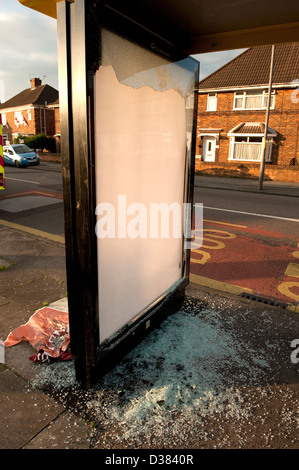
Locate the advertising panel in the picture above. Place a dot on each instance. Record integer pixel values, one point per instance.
(143, 131)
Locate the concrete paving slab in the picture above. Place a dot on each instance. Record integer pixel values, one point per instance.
(66, 432)
(12, 316)
(61, 304)
(17, 359)
(36, 293)
(24, 412)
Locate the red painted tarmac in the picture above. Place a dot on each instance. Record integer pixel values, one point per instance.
(251, 258)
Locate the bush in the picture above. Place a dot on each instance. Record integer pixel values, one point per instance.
(39, 141)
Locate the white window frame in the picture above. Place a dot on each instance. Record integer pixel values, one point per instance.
(242, 95)
(5, 138)
(4, 121)
(212, 102)
(249, 140)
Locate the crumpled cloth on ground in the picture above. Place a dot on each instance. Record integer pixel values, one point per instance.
(42, 356)
(47, 330)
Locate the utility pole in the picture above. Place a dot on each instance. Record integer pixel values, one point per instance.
(45, 125)
(263, 158)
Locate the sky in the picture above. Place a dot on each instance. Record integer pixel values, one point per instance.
(29, 49)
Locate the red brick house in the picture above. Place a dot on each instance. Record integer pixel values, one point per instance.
(55, 107)
(232, 105)
(30, 112)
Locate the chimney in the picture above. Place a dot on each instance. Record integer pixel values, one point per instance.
(35, 82)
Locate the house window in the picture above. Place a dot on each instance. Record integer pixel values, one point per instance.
(249, 148)
(212, 102)
(253, 99)
(190, 101)
(3, 119)
(19, 119)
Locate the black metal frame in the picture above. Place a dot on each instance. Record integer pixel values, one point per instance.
(78, 55)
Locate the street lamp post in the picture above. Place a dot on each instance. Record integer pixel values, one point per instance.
(262, 165)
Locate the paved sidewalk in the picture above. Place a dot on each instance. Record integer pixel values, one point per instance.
(32, 275)
(248, 185)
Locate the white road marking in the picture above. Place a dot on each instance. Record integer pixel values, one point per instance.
(23, 181)
(252, 213)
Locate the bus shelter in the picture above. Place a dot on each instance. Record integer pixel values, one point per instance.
(128, 99)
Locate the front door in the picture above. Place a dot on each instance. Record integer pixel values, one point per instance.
(209, 147)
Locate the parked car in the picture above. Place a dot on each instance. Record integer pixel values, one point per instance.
(19, 155)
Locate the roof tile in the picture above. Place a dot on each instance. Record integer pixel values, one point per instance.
(252, 68)
(37, 96)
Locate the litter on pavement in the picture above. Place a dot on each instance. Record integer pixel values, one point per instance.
(47, 331)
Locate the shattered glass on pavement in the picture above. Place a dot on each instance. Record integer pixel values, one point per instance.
(216, 374)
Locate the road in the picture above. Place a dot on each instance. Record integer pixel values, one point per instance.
(251, 240)
(250, 245)
(33, 200)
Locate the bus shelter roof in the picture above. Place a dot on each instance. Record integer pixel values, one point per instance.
(199, 26)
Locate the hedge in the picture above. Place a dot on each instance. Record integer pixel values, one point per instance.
(39, 141)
